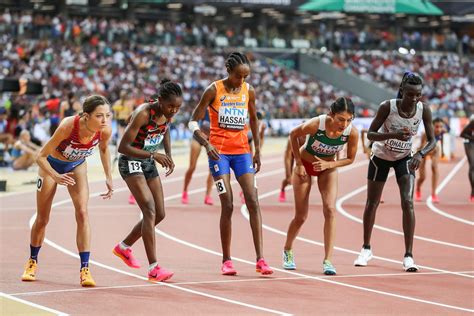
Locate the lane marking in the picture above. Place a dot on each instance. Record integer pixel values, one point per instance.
(363, 188)
(352, 276)
(220, 298)
(118, 178)
(449, 177)
(192, 245)
(38, 306)
(279, 232)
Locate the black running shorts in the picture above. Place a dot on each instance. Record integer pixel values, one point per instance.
(129, 166)
(379, 168)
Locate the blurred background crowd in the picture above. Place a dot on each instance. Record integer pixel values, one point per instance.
(124, 57)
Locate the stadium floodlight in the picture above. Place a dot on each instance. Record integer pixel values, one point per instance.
(206, 10)
(403, 50)
(174, 6)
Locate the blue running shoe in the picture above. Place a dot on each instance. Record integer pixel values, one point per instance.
(288, 260)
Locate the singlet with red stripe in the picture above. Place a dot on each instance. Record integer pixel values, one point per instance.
(72, 149)
(150, 135)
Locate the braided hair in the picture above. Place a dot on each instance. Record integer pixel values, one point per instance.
(166, 90)
(410, 78)
(235, 59)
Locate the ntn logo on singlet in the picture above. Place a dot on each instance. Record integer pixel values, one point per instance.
(326, 149)
(153, 139)
(232, 117)
(73, 154)
(152, 142)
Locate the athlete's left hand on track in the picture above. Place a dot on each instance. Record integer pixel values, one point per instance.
(110, 190)
(256, 162)
(415, 161)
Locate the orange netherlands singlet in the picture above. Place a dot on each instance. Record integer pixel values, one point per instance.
(228, 115)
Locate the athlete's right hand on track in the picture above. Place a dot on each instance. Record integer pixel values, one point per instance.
(404, 134)
(171, 169)
(164, 161)
(212, 152)
(65, 179)
(300, 171)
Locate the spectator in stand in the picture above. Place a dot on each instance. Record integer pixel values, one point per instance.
(24, 151)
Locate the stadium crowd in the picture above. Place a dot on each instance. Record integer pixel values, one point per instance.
(124, 61)
(448, 85)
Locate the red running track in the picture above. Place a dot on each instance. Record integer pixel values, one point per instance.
(188, 243)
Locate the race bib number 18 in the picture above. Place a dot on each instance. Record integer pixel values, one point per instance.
(134, 166)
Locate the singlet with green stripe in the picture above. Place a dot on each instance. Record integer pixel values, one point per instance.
(320, 145)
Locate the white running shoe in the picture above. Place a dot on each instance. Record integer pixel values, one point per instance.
(364, 257)
(409, 265)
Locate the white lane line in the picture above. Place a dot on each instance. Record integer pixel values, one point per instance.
(310, 241)
(441, 186)
(220, 298)
(274, 230)
(228, 281)
(351, 276)
(192, 245)
(19, 300)
(118, 178)
(363, 188)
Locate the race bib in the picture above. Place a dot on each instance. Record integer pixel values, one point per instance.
(39, 183)
(232, 117)
(220, 186)
(134, 166)
(398, 146)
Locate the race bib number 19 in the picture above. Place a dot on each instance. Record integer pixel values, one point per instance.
(134, 166)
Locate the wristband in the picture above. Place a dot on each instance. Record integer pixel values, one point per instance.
(193, 126)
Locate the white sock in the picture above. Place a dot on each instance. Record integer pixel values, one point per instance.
(152, 266)
(123, 246)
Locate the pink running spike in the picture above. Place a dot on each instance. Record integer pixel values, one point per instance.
(228, 268)
(417, 196)
(263, 267)
(126, 256)
(131, 200)
(184, 198)
(282, 197)
(208, 200)
(159, 274)
(434, 198)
